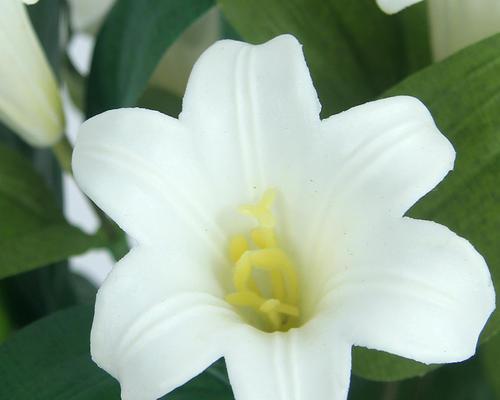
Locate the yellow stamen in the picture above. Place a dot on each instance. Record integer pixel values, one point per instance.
(237, 247)
(280, 310)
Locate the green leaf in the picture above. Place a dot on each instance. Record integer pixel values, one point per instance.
(5, 321)
(50, 359)
(34, 294)
(155, 98)
(490, 356)
(385, 367)
(354, 50)
(462, 95)
(464, 381)
(33, 232)
(130, 44)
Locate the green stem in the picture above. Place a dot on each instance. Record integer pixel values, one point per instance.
(63, 151)
(115, 238)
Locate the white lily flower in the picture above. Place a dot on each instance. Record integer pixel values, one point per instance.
(30, 103)
(321, 257)
(394, 6)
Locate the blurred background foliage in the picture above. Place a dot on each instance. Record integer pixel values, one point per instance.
(142, 56)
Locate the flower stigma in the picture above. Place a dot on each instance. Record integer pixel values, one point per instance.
(264, 276)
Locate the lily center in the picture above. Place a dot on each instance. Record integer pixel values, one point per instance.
(264, 276)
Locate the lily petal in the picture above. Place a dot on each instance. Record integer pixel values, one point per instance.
(368, 164)
(142, 169)
(415, 289)
(394, 6)
(250, 105)
(159, 321)
(302, 364)
(380, 158)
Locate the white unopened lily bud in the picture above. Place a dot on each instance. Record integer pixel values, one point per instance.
(456, 24)
(394, 6)
(30, 103)
(87, 15)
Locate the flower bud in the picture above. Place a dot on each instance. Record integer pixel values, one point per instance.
(456, 24)
(30, 103)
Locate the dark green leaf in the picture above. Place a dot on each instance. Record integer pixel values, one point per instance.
(33, 232)
(161, 100)
(462, 93)
(130, 44)
(5, 320)
(464, 381)
(490, 357)
(34, 294)
(354, 51)
(50, 360)
(381, 366)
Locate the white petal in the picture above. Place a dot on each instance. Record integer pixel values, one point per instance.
(364, 166)
(29, 99)
(302, 364)
(159, 321)
(394, 6)
(412, 288)
(383, 156)
(252, 107)
(141, 167)
(368, 164)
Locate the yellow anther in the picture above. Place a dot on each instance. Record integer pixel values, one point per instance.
(275, 259)
(281, 310)
(237, 247)
(242, 277)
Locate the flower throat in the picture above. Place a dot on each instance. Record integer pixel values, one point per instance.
(278, 305)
